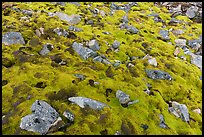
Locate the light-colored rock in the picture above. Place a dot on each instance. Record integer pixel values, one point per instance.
(196, 60)
(123, 97)
(94, 45)
(180, 42)
(116, 44)
(70, 116)
(191, 12)
(152, 61)
(198, 111)
(177, 51)
(46, 49)
(10, 38)
(72, 19)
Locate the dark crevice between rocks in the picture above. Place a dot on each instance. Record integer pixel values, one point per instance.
(4, 82)
(41, 85)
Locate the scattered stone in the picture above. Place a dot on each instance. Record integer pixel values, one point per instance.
(46, 49)
(123, 97)
(90, 22)
(191, 12)
(41, 119)
(158, 74)
(147, 91)
(195, 44)
(37, 32)
(125, 19)
(105, 61)
(28, 12)
(196, 60)
(183, 57)
(98, 58)
(74, 28)
(180, 42)
(84, 52)
(117, 63)
(102, 13)
(80, 76)
(60, 32)
(198, 111)
(174, 21)
(69, 115)
(133, 102)
(132, 29)
(152, 61)
(94, 45)
(83, 101)
(41, 30)
(10, 38)
(178, 32)
(59, 3)
(75, 3)
(56, 125)
(117, 133)
(116, 44)
(72, 20)
(107, 33)
(179, 110)
(177, 51)
(123, 25)
(164, 34)
(162, 123)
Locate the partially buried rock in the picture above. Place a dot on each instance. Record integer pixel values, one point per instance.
(72, 19)
(196, 60)
(132, 29)
(158, 74)
(69, 115)
(74, 28)
(84, 52)
(152, 61)
(60, 32)
(179, 110)
(162, 123)
(80, 76)
(123, 97)
(87, 102)
(10, 38)
(164, 34)
(94, 45)
(46, 49)
(116, 44)
(42, 118)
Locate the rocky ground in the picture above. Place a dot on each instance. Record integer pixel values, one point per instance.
(102, 68)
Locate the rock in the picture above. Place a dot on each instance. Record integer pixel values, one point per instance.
(183, 57)
(37, 32)
(95, 11)
(179, 110)
(107, 33)
(132, 29)
(102, 13)
(195, 44)
(116, 44)
(46, 49)
(117, 133)
(60, 32)
(117, 63)
(174, 20)
(72, 20)
(98, 58)
(132, 102)
(158, 74)
(152, 61)
(75, 3)
(191, 12)
(10, 38)
(177, 51)
(147, 91)
(178, 32)
(196, 60)
(83, 101)
(125, 19)
(162, 123)
(180, 42)
(198, 111)
(123, 97)
(56, 125)
(80, 76)
(94, 45)
(123, 25)
(164, 34)
(84, 52)
(41, 119)
(69, 115)
(74, 28)
(59, 3)
(90, 22)
(105, 61)
(28, 12)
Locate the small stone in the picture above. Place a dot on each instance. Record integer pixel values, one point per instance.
(102, 13)
(94, 45)
(10, 38)
(132, 29)
(132, 102)
(162, 123)
(117, 133)
(90, 22)
(60, 32)
(80, 76)
(191, 12)
(183, 57)
(158, 74)
(72, 19)
(98, 58)
(105, 61)
(152, 61)
(37, 32)
(116, 44)
(28, 12)
(177, 51)
(198, 111)
(164, 34)
(123, 97)
(178, 32)
(75, 3)
(74, 28)
(125, 19)
(46, 49)
(123, 26)
(41, 30)
(196, 60)
(59, 3)
(180, 42)
(195, 44)
(107, 33)
(69, 115)
(117, 63)
(147, 91)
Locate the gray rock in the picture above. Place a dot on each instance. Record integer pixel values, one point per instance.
(117, 63)
(195, 44)
(74, 28)
(61, 32)
(116, 44)
(123, 26)
(69, 115)
(123, 97)
(46, 49)
(102, 13)
(164, 34)
(196, 60)
(107, 33)
(178, 32)
(162, 123)
(80, 76)
(75, 3)
(83, 101)
(132, 102)
(125, 19)
(98, 59)
(158, 74)
(179, 110)
(94, 45)
(27, 12)
(180, 42)
(174, 20)
(132, 29)
(41, 119)
(72, 20)
(10, 38)
(90, 22)
(84, 52)
(59, 3)
(191, 12)
(114, 6)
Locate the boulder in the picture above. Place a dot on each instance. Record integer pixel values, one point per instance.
(87, 102)
(10, 38)
(158, 74)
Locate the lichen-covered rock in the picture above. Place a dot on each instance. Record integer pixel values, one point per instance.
(87, 102)
(46, 49)
(74, 28)
(72, 19)
(41, 119)
(164, 34)
(84, 52)
(158, 74)
(123, 97)
(94, 45)
(70, 116)
(179, 110)
(10, 38)
(162, 123)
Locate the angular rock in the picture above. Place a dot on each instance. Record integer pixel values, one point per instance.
(83, 101)
(41, 119)
(162, 123)
(72, 20)
(180, 42)
(46, 49)
(178, 32)
(123, 97)
(84, 52)
(94, 45)
(10, 38)
(69, 115)
(177, 51)
(74, 28)
(125, 19)
(98, 59)
(117, 63)
(80, 76)
(158, 74)
(179, 110)
(61, 32)
(152, 61)
(198, 111)
(191, 12)
(196, 60)
(164, 34)
(132, 29)
(116, 44)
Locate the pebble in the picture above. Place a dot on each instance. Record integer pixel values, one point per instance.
(198, 111)
(152, 61)
(116, 44)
